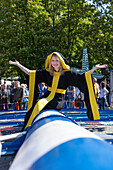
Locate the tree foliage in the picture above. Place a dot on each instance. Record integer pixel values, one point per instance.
(32, 29)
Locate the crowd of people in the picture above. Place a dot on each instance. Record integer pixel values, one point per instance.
(102, 93)
(15, 96)
(74, 98)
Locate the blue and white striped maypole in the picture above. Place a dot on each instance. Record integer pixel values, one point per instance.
(55, 142)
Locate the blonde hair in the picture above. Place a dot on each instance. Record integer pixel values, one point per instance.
(51, 69)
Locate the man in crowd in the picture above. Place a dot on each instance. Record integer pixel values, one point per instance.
(18, 95)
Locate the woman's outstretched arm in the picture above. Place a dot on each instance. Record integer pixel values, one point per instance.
(97, 67)
(24, 69)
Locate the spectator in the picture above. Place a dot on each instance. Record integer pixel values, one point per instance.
(78, 98)
(71, 96)
(43, 89)
(11, 97)
(103, 93)
(96, 90)
(0, 95)
(25, 99)
(108, 95)
(66, 100)
(11, 94)
(5, 97)
(18, 95)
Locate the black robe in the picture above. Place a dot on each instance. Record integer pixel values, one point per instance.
(68, 78)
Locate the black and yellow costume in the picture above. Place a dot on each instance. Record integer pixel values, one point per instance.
(57, 84)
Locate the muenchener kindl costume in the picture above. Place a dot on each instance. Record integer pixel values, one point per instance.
(57, 84)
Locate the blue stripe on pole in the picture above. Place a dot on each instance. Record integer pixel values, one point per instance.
(82, 153)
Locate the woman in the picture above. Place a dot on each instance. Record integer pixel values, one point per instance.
(58, 77)
(103, 94)
(5, 97)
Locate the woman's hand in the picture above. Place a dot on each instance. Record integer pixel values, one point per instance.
(97, 67)
(24, 69)
(14, 62)
(100, 66)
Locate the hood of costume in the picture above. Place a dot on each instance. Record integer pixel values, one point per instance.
(61, 58)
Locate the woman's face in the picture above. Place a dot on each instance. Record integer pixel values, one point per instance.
(55, 62)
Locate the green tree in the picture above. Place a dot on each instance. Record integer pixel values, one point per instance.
(23, 34)
(101, 39)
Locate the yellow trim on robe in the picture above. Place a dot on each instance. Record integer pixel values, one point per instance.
(92, 96)
(31, 88)
(61, 91)
(43, 102)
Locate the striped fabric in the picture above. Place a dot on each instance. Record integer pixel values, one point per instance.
(85, 63)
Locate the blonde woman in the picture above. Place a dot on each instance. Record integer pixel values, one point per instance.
(58, 76)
